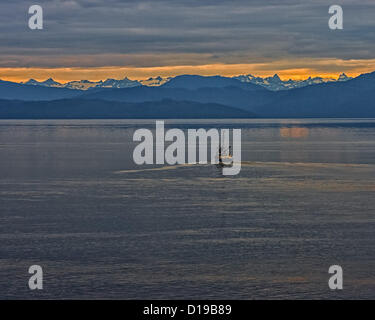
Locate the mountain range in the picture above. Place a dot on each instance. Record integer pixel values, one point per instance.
(275, 83)
(86, 84)
(272, 83)
(190, 96)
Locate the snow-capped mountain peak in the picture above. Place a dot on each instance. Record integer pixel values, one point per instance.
(50, 82)
(124, 83)
(276, 78)
(274, 83)
(153, 82)
(31, 82)
(343, 77)
(47, 83)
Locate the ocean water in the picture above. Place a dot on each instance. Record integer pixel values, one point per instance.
(73, 201)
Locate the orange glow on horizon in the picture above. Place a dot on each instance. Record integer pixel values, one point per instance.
(284, 69)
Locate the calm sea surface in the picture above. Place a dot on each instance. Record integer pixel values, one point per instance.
(73, 201)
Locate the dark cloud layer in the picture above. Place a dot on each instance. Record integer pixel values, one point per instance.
(177, 32)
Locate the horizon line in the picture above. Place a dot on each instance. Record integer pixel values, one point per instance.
(299, 70)
(335, 76)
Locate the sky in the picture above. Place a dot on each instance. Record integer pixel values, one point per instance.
(95, 40)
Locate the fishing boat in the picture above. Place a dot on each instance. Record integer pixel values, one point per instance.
(225, 156)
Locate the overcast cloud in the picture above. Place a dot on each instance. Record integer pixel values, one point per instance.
(93, 33)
